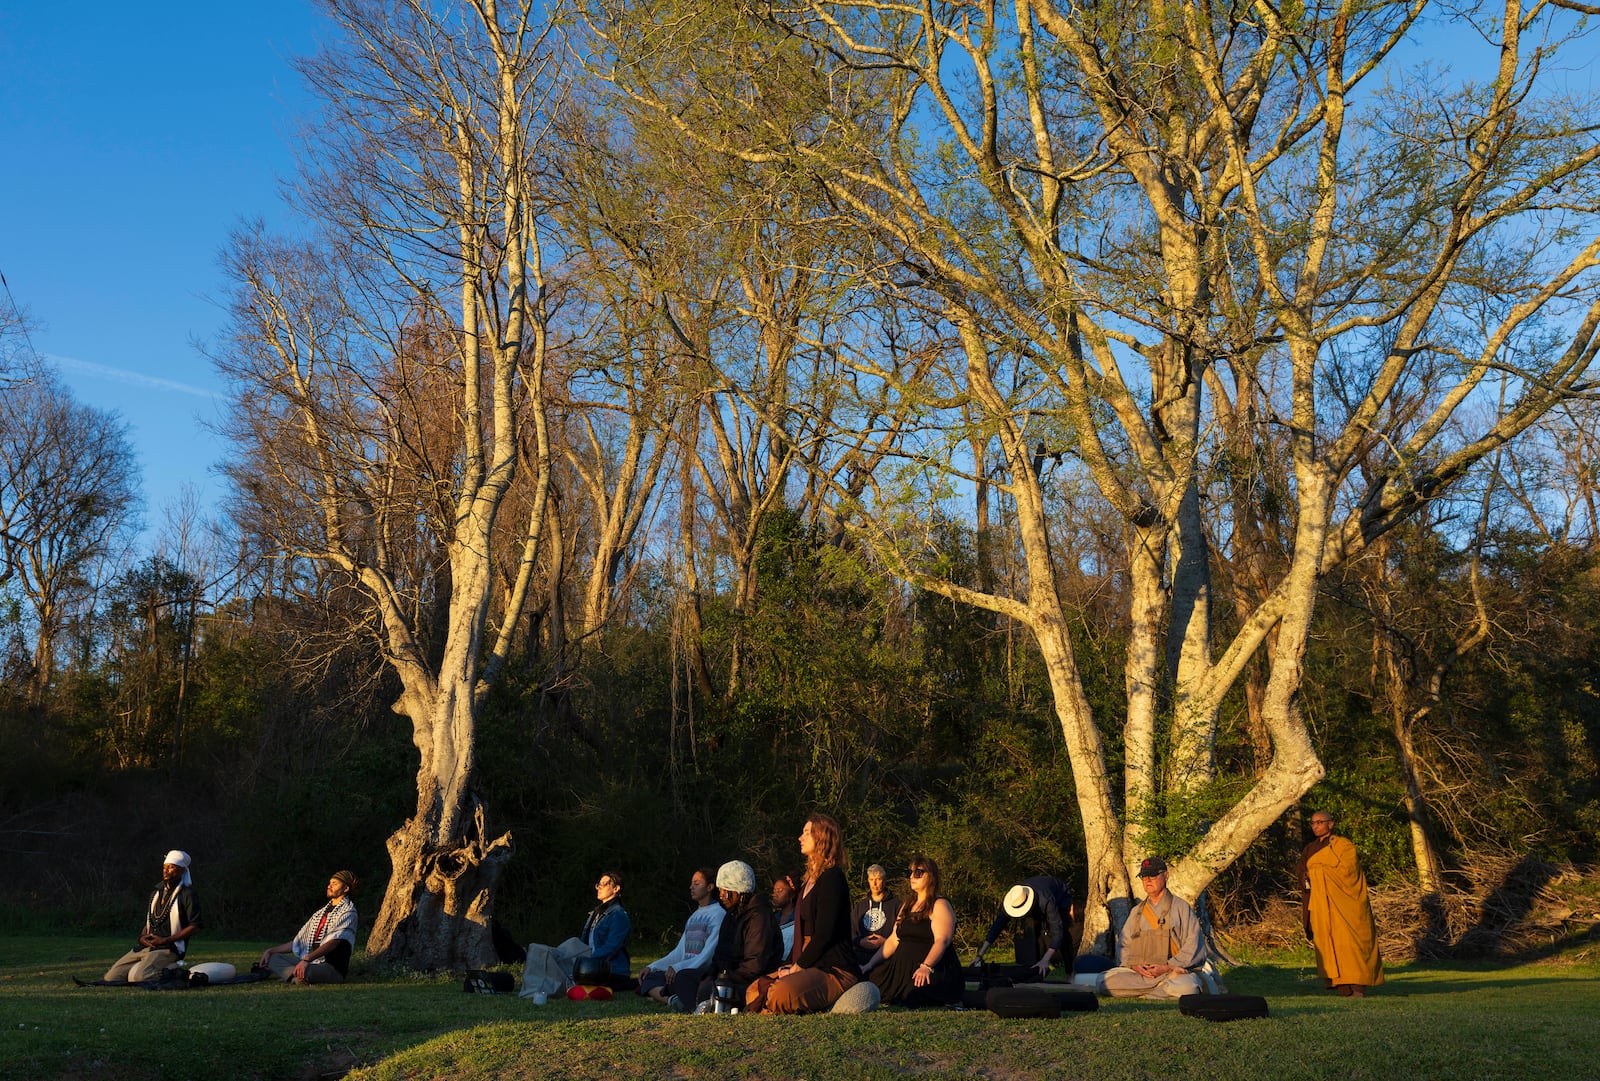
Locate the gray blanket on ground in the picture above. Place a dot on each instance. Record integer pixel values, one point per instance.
(549, 968)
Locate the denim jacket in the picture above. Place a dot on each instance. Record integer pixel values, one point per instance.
(606, 932)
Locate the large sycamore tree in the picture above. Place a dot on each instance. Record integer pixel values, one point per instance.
(1235, 267)
(390, 375)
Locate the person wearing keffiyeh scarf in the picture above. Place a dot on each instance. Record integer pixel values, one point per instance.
(172, 915)
(320, 953)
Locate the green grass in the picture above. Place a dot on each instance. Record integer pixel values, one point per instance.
(1466, 1021)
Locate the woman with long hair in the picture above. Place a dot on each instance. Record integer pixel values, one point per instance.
(917, 965)
(822, 965)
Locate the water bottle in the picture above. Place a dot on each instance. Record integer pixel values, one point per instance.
(723, 995)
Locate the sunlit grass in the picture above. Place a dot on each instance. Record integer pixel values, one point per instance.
(1435, 1021)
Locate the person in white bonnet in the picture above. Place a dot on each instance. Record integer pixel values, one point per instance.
(171, 917)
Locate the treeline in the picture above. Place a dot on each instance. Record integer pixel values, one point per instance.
(1040, 437)
(924, 725)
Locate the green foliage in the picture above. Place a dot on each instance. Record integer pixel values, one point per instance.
(1178, 823)
(922, 724)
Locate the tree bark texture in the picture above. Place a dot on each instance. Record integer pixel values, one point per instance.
(440, 896)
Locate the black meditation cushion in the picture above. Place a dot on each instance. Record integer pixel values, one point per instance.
(1021, 1002)
(1223, 1007)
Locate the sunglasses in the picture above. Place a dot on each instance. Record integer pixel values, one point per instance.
(916, 872)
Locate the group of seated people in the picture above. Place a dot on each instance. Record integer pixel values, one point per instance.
(801, 948)
(795, 952)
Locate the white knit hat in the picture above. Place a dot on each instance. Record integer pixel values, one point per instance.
(736, 875)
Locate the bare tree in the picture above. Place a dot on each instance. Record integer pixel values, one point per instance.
(626, 380)
(420, 315)
(742, 292)
(18, 365)
(69, 491)
(1554, 477)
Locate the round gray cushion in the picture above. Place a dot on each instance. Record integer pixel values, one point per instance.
(862, 998)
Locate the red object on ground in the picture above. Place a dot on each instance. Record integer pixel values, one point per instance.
(599, 994)
(577, 994)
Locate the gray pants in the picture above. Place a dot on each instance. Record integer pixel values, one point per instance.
(1126, 983)
(282, 966)
(140, 964)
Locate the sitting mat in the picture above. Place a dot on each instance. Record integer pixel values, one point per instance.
(1069, 997)
(862, 998)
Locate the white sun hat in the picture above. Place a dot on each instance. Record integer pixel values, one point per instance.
(1019, 899)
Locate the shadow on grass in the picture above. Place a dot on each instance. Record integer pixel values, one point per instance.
(1402, 981)
(1564, 944)
(1508, 905)
(1503, 917)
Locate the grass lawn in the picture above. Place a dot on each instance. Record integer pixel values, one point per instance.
(1466, 1021)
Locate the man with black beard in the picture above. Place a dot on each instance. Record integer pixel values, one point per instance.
(320, 953)
(171, 917)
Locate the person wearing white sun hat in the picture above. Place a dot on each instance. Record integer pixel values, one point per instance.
(749, 944)
(1045, 902)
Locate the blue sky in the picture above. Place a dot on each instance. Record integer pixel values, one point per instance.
(136, 137)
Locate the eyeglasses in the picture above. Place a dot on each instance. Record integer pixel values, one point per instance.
(916, 872)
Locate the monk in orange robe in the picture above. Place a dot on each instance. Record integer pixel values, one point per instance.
(1338, 913)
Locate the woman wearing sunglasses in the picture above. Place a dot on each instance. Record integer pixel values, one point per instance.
(917, 966)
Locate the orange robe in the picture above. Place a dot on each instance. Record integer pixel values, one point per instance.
(1340, 915)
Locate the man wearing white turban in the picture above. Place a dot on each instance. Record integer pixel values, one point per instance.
(172, 916)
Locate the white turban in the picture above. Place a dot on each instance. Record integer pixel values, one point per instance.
(178, 858)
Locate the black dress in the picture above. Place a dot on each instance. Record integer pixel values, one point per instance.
(895, 977)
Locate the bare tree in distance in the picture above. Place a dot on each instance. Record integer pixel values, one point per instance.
(17, 360)
(17, 365)
(69, 494)
(420, 310)
(625, 381)
(742, 290)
